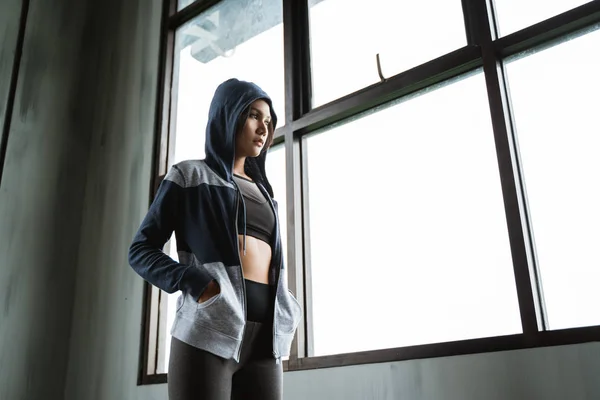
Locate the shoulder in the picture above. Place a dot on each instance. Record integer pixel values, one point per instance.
(192, 173)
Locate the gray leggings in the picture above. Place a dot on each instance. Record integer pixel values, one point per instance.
(196, 374)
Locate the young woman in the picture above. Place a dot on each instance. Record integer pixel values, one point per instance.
(235, 316)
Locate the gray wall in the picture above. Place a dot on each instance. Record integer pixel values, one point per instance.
(557, 373)
(41, 199)
(107, 315)
(74, 191)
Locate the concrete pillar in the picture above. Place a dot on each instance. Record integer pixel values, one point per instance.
(105, 345)
(41, 197)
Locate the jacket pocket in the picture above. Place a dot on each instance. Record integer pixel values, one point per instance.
(223, 312)
(287, 311)
(180, 302)
(208, 302)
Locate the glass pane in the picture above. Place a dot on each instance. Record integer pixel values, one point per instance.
(555, 99)
(171, 301)
(514, 15)
(234, 39)
(409, 242)
(181, 4)
(276, 173)
(404, 33)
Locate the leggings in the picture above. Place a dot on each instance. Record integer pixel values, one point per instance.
(196, 374)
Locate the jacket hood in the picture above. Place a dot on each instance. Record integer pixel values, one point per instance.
(230, 100)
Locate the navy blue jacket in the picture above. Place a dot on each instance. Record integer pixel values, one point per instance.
(199, 201)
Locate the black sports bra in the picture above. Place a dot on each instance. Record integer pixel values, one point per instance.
(260, 220)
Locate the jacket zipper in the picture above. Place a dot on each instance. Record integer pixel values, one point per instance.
(237, 246)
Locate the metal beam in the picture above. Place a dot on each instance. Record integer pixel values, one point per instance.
(547, 32)
(462, 347)
(438, 70)
(519, 229)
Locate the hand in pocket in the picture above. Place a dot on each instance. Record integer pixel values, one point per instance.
(211, 290)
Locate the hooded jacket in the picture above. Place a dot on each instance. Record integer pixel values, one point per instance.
(200, 202)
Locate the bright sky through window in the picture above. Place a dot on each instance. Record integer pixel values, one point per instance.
(408, 232)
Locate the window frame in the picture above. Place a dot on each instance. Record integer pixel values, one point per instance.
(484, 50)
(11, 88)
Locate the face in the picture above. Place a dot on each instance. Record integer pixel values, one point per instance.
(253, 136)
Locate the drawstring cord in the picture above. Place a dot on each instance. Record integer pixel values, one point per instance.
(240, 197)
(244, 208)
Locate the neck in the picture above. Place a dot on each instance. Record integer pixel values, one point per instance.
(238, 166)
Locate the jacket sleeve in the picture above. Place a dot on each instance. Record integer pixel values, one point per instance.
(145, 253)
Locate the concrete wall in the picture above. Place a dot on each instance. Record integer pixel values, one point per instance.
(107, 319)
(77, 172)
(41, 198)
(556, 373)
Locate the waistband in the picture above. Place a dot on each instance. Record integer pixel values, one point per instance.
(260, 300)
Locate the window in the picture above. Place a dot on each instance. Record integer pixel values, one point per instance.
(555, 101)
(276, 173)
(231, 39)
(514, 15)
(408, 234)
(435, 212)
(405, 34)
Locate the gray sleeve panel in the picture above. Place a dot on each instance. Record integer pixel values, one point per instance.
(191, 173)
(176, 176)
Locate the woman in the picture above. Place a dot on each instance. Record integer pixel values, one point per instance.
(235, 316)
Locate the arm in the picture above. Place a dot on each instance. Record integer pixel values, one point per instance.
(145, 253)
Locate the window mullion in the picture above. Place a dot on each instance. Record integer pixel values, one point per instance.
(519, 232)
(297, 96)
(297, 58)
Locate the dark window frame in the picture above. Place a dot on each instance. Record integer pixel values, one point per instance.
(12, 86)
(484, 50)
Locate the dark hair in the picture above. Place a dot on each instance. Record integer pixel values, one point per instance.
(242, 120)
(250, 166)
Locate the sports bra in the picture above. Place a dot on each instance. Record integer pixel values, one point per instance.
(260, 220)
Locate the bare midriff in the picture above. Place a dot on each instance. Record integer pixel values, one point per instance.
(257, 260)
